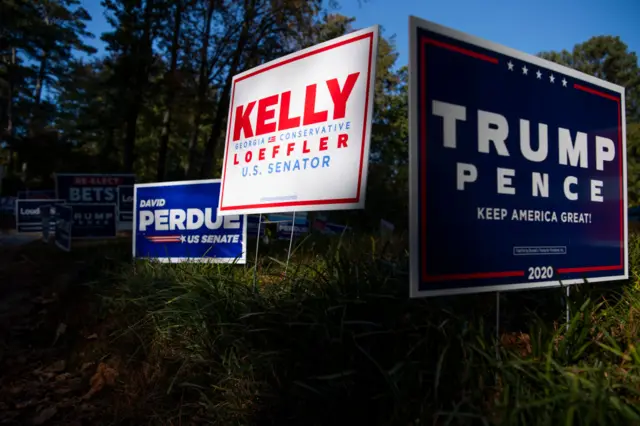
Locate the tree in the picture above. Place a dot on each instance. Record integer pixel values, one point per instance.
(608, 58)
(37, 46)
(171, 87)
(131, 46)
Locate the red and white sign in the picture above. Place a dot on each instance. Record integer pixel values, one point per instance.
(299, 129)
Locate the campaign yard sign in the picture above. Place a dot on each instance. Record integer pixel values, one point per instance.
(178, 222)
(300, 217)
(63, 227)
(125, 207)
(47, 219)
(91, 188)
(8, 205)
(300, 229)
(38, 194)
(253, 222)
(299, 128)
(94, 221)
(28, 217)
(518, 169)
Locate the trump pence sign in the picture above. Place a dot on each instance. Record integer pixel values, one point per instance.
(299, 128)
(518, 169)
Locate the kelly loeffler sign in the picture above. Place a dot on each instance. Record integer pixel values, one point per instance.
(299, 129)
(518, 169)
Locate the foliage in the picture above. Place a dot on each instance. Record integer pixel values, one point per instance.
(609, 58)
(338, 341)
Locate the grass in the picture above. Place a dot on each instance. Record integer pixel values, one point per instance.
(337, 341)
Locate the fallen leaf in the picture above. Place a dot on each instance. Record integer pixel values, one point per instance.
(63, 377)
(85, 366)
(24, 404)
(57, 367)
(16, 389)
(104, 375)
(44, 415)
(62, 327)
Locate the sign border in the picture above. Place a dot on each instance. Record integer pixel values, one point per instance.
(65, 249)
(15, 213)
(110, 237)
(358, 202)
(120, 222)
(238, 260)
(416, 280)
(55, 180)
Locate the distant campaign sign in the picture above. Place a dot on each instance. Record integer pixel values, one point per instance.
(125, 207)
(178, 222)
(94, 221)
(285, 229)
(518, 169)
(38, 194)
(253, 223)
(63, 226)
(91, 188)
(47, 218)
(28, 217)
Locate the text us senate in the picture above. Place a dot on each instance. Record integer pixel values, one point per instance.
(267, 122)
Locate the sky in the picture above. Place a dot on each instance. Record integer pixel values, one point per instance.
(529, 26)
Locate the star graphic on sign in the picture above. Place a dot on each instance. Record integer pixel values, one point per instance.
(552, 78)
(510, 65)
(538, 74)
(183, 238)
(564, 82)
(525, 70)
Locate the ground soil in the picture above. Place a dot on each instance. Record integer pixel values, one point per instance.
(50, 370)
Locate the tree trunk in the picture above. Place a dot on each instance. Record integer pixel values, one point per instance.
(170, 96)
(10, 128)
(37, 96)
(209, 161)
(140, 83)
(203, 83)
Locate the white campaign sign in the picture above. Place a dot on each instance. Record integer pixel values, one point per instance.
(299, 129)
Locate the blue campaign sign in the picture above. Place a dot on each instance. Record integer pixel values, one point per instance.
(38, 194)
(300, 229)
(88, 188)
(47, 219)
(252, 225)
(300, 217)
(518, 169)
(94, 221)
(125, 207)
(8, 205)
(28, 217)
(178, 222)
(63, 226)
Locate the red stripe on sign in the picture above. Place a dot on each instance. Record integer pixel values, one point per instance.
(474, 275)
(458, 49)
(589, 269)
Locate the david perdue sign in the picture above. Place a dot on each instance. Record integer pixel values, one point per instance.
(299, 129)
(518, 169)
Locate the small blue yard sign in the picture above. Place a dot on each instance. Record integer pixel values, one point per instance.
(179, 222)
(63, 226)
